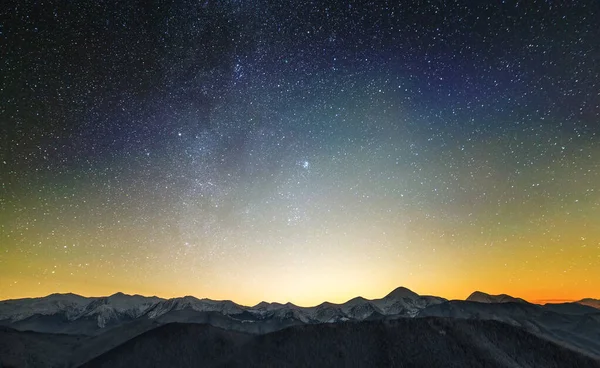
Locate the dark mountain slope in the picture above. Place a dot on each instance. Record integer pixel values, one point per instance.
(33, 349)
(576, 331)
(174, 345)
(422, 342)
(93, 346)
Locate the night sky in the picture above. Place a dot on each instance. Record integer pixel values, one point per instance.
(300, 151)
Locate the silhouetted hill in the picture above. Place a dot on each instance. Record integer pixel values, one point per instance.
(595, 303)
(421, 342)
(482, 297)
(571, 308)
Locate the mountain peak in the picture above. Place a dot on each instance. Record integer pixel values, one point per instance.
(262, 304)
(481, 297)
(358, 299)
(401, 292)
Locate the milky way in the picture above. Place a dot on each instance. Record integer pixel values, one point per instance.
(300, 151)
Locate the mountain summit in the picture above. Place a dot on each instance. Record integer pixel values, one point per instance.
(401, 292)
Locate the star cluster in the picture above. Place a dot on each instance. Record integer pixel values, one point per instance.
(300, 150)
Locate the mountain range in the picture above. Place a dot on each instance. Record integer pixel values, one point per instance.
(71, 330)
(74, 314)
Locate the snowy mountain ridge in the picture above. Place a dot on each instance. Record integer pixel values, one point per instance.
(119, 308)
(75, 307)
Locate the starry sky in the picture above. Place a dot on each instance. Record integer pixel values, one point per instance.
(300, 150)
